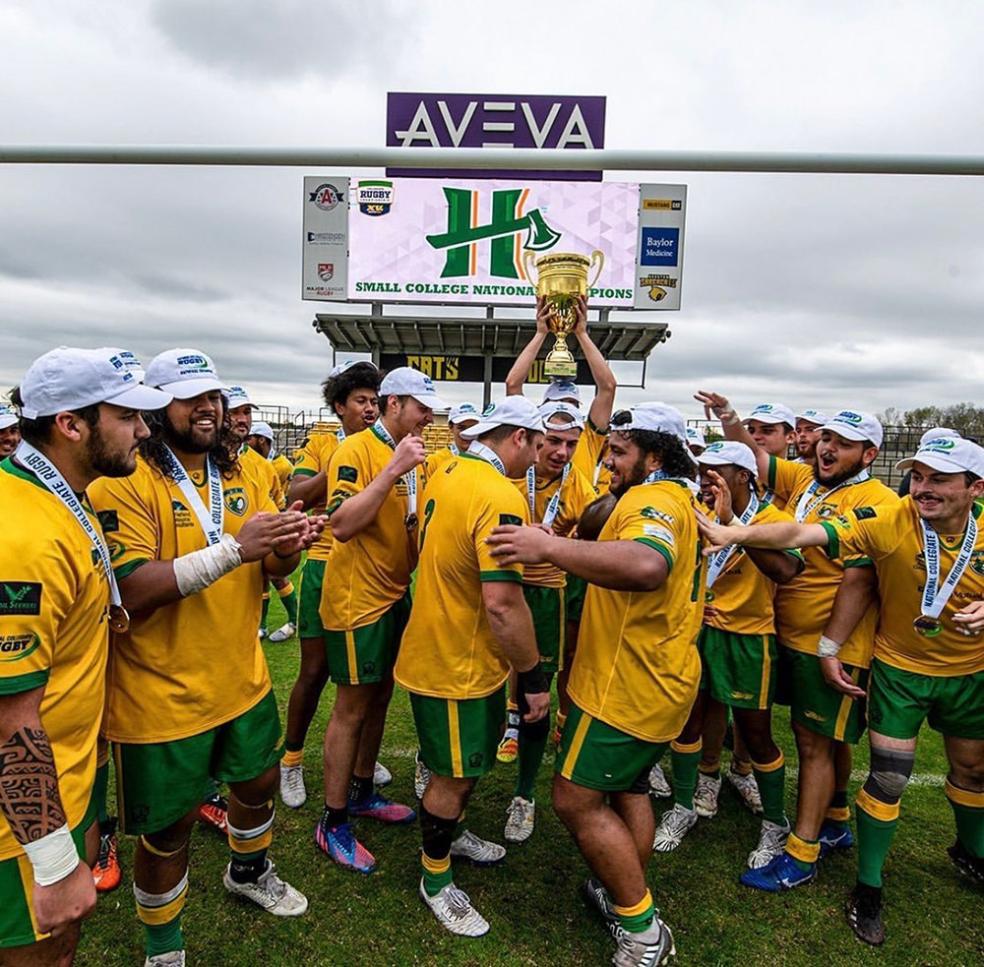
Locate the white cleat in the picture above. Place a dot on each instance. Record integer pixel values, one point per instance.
(648, 949)
(772, 841)
(292, 790)
(706, 795)
(454, 911)
(421, 776)
(263, 633)
(381, 776)
(674, 825)
(520, 819)
(269, 892)
(173, 958)
(479, 851)
(747, 789)
(283, 633)
(658, 786)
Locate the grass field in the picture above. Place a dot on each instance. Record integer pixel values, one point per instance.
(932, 915)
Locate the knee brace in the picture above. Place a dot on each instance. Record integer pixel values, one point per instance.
(889, 774)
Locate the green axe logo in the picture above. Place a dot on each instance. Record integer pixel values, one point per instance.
(506, 224)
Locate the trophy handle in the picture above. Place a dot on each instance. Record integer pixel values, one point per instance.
(596, 256)
(529, 266)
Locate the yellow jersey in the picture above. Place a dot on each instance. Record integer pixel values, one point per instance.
(892, 538)
(369, 573)
(576, 494)
(314, 458)
(194, 664)
(636, 667)
(263, 469)
(741, 600)
(803, 605)
(436, 460)
(53, 632)
(284, 470)
(589, 455)
(448, 649)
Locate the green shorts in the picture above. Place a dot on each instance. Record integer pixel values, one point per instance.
(598, 756)
(900, 701)
(577, 588)
(17, 923)
(738, 670)
(458, 737)
(366, 655)
(309, 604)
(549, 624)
(814, 704)
(158, 783)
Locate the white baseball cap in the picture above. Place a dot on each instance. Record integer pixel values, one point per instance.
(549, 410)
(695, 437)
(407, 381)
(562, 389)
(855, 425)
(657, 418)
(8, 416)
(69, 379)
(936, 432)
(771, 413)
(184, 373)
(508, 411)
(237, 396)
(723, 452)
(342, 367)
(947, 454)
(462, 413)
(259, 428)
(817, 417)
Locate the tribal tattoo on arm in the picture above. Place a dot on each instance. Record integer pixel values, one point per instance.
(29, 798)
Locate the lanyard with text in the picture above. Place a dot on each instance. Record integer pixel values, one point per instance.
(934, 596)
(409, 478)
(550, 514)
(810, 499)
(53, 481)
(489, 455)
(340, 434)
(720, 560)
(453, 447)
(211, 520)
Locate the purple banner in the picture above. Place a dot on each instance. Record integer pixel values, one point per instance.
(494, 121)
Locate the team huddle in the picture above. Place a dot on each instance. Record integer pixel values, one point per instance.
(664, 583)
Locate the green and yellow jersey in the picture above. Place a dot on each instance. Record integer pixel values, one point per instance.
(313, 458)
(589, 455)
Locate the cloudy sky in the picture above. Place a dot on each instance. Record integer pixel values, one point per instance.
(813, 290)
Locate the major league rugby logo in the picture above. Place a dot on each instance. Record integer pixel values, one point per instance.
(326, 271)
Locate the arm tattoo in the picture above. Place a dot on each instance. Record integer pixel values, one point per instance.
(29, 797)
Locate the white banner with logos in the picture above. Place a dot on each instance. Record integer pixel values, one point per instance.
(325, 242)
(659, 253)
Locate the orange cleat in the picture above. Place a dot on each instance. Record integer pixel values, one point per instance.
(214, 812)
(107, 873)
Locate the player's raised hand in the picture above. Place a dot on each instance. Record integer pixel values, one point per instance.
(544, 313)
(410, 452)
(722, 497)
(716, 536)
(714, 404)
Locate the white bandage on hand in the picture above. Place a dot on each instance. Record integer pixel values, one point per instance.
(196, 571)
(827, 647)
(53, 857)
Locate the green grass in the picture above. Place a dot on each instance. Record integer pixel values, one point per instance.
(532, 901)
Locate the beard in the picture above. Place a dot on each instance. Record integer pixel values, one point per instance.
(636, 475)
(192, 440)
(106, 462)
(839, 478)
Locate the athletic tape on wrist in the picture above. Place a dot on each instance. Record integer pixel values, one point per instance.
(53, 856)
(827, 647)
(533, 681)
(196, 571)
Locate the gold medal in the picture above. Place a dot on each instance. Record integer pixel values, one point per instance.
(708, 597)
(411, 521)
(119, 620)
(928, 626)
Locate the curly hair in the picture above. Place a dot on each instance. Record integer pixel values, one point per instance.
(336, 389)
(223, 455)
(674, 458)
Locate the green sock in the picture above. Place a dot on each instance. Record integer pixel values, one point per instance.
(530, 756)
(772, 787)
(437, 873)
(99, 791)
(639, 918)
(289, 602)
(874, 841)
(684, 761)
(970, 827)
(164, 937)
(264, 610)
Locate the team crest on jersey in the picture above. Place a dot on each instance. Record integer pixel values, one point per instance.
(977, 562)
(348, 474)
(826, 511)
(236, 501)
(109, 520)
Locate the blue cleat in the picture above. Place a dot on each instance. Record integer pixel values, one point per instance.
(778, 875)
(340, 844)
(834, 837)
(382, 809)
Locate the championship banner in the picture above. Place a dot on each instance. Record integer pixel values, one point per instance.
(461, 241)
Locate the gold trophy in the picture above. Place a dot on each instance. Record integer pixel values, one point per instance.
(560, 278)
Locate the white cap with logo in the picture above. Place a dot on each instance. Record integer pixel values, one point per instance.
(8, 416)
(407, 381)
(695, 437)
(462, 413)
(723, 452)
(772, 413)
(947, 454)
(855, 425)
(69, 379)
(562, 389)
(550, 410)
(509, 411)
(342, 367)
(936, 432)
(184, 373)
(657, 418)
(816, 417)
(259, 428)
(237, 396)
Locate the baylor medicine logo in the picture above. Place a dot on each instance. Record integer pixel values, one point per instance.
(508, 222)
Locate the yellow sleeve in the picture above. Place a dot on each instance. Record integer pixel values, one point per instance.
(496, 510)
(309, 459)
(656, 525)
(862, 534)
(787, 478)
(349, 472)
(590, 446)
(128, 522)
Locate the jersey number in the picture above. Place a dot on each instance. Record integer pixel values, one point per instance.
(428, 513)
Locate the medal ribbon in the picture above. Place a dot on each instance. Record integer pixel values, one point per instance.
(56, 484)
(489, 455)
(808, 502)
(550, 514)
(720, 560)
(211, 520)
(453, 447)
(340, 434)
(409, 478)
(934, 597)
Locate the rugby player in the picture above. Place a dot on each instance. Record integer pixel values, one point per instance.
(469, 624)
(636, 672)
(928, 554)
(261, 440)
(9, 430)
(807, 435)
(80, 420)
(194, 535)
(772, 427)
(931, 434)
(825, 722)
(738, 652)
(350, 392)
(373, 485)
